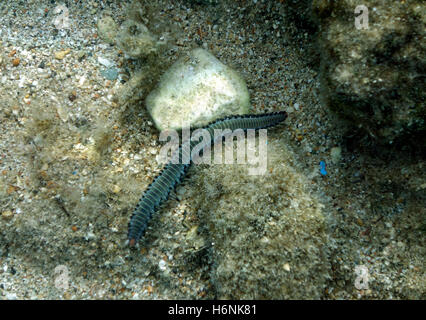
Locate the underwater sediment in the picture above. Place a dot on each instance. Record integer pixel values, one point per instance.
(78, 147)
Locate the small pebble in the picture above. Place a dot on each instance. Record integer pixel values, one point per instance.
(72, 96)
(336, 154)
(61, 54)
(62, 112)
(105, 62)
(150, 289)
(10, 189)
(7, 215)
(11, 296)
(162, 265)
(81, 55)
(110, 74)
(16, 62)
(116, 189)
(90, 236)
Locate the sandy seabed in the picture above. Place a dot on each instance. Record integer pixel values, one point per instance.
(78, 148)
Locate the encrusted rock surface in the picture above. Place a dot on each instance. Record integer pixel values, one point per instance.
(374, 76)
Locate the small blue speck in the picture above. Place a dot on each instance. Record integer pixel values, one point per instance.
(322, 168)
(74, 172)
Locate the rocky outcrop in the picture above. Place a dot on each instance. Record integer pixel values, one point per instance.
(374, 75)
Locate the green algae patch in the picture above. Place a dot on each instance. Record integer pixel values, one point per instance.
(267, 232)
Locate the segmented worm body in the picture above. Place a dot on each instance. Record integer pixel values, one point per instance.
(173, 173)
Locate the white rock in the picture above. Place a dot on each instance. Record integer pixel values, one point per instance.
(196, 90)
(336, 154)
(11, 296)
(162, 265)
(62, 112)
(105, 62)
